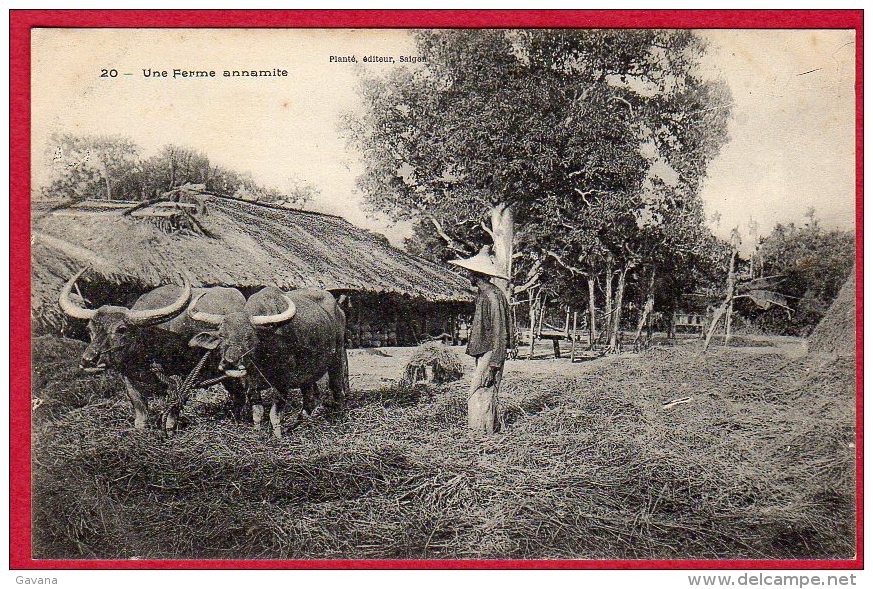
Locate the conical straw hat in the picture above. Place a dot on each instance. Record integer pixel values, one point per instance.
(483, 263)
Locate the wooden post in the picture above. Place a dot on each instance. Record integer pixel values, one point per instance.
(533, 321)
(573, 338)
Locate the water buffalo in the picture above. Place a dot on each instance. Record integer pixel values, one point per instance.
(287, 339)
(150, 340)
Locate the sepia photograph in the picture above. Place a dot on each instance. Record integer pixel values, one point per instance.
(444, 294)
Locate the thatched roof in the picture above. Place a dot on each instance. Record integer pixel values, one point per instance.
(232, 242)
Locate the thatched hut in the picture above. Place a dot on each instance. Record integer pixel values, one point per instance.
(392, 297)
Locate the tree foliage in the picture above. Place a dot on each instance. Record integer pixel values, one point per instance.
(599, 139)
(91, 166)
(83, 167)
(812, 263)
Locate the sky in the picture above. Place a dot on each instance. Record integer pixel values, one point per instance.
(791, 136)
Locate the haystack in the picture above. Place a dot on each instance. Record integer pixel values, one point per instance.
(835, 333)
(433, 362)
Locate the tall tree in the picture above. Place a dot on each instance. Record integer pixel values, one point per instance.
(91, 166)
(497, 121)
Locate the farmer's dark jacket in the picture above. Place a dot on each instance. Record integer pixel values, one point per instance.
(490, 328)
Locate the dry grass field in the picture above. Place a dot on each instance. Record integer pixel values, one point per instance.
(590, 464)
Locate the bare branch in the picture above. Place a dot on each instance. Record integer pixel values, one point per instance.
(633, 257)
(530, 284)
(454, 244)
(771, 301)
(561, 262)
(584, 196)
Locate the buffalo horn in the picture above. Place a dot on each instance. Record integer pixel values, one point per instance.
(146, 317)
(285, 315)
(211, 318)
(71, 308)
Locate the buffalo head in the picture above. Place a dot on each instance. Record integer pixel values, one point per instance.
(236, 334)
(114, 329)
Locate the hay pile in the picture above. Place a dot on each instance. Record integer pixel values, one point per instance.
(835, 333)
(760, 464)
(435, 362)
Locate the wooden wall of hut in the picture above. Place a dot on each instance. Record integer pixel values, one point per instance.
(386, 319)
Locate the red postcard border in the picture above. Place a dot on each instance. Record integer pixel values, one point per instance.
(21, 23)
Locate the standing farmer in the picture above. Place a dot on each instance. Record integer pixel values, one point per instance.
(489, 338)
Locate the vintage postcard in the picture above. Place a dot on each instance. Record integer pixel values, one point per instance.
(442, 296)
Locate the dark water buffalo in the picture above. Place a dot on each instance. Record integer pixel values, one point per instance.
(151, 338)
(289, 340)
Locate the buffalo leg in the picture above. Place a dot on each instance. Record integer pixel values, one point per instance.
(338, 380)
(276, 416)
(236, 390)
(310, 397)
(257, 406)
(170, 423)
(140, 407)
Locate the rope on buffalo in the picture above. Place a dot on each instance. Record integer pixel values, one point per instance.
(177, 394)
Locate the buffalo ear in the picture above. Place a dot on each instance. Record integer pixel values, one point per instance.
(205, 339)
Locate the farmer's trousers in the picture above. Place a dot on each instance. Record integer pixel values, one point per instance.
(482, 400)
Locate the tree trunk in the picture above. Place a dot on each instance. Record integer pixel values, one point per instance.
(649, 305)
(503, 233)
(608, 302)
(592, 313)
(670, 312)
(615, 331)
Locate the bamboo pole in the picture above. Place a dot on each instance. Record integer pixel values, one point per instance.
(727, 322)
(729, 295)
